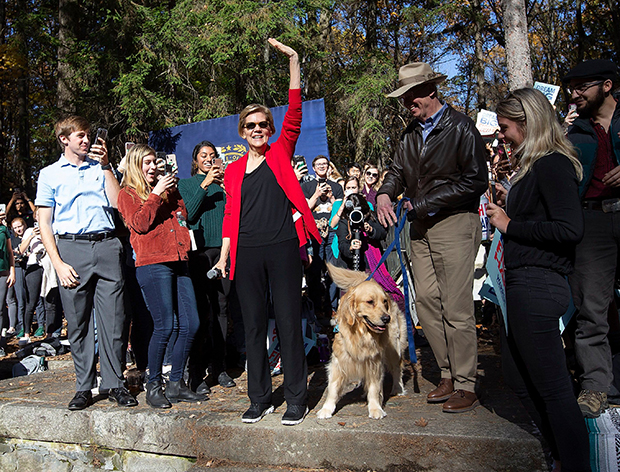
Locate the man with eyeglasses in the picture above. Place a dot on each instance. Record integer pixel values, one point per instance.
(595, 134)
(321, 195)
(440, 165)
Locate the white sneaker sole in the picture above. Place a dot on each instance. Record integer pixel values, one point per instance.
(256, 420)
(294, 422)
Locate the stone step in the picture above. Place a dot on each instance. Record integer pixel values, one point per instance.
(413, 436)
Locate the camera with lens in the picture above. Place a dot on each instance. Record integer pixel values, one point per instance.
(356, 223)
(356, 216)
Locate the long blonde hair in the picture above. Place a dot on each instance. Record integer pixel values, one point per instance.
(542, 132)
(134, 177)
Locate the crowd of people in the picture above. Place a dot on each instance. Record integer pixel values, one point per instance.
(234, 244)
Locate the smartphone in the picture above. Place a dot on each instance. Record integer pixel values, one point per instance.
(572, 107)
(101, 133)
(128, 146)
(299, 160)
(217, 162)
(2, 207)
(171, 163)
(491, 183)
(322, 180)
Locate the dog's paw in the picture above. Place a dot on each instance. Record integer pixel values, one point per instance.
(376, 413)
(399, 390)
(324, 413)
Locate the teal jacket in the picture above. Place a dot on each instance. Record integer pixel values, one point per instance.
(205, 210)
(584, 138)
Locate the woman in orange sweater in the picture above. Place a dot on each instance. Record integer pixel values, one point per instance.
(156, 217)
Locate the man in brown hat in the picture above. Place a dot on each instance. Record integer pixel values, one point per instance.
(596, 135)
(440, 166)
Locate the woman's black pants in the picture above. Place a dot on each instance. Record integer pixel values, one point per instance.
(534, 363)
(275, 270)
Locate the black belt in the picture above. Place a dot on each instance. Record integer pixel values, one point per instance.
(87, 236)
(609, 205)
(593, 205)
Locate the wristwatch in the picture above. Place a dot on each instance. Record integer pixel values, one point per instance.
(108, 166)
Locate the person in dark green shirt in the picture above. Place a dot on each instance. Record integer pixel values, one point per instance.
(205, 198)
(7, 269)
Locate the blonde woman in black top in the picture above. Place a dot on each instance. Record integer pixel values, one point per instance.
(542, 224)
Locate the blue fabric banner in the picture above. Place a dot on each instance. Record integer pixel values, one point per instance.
(222, 132)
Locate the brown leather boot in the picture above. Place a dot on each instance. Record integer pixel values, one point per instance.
(443, 391)
(461, 401)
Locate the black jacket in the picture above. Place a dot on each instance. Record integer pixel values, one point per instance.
(447, 174)
(546, 219)
(583, 136)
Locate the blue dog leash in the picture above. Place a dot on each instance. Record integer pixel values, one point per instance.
(401, 213)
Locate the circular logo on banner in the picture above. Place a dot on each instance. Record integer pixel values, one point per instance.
(231, 152)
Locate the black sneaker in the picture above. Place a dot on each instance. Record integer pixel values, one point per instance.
(256, 412)
(295, 414)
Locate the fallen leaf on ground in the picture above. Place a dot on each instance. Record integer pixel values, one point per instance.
(421, 422)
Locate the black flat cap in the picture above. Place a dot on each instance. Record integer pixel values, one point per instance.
(594, 69)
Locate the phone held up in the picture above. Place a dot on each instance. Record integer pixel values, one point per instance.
(101, 133)
(171, 164)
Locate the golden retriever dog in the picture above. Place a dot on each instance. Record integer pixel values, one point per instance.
(372, 334)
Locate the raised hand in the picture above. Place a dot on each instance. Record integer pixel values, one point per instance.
(283, 48)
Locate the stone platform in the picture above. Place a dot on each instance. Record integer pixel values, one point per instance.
(40, 434)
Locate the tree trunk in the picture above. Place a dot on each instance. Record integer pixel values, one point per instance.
(614, 26)
(313, 66)
(479, 64)
(3, 131)
(67, 21)
(518, 59)
(23, 127)
(370, 20)
(581, 34)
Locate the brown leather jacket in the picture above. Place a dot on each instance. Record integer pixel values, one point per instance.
(447, 174)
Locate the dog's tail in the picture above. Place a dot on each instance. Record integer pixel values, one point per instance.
(345, 278)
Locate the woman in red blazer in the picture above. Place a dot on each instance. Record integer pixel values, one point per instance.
(266, 220)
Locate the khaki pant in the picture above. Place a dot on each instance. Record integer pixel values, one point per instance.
(443, 254)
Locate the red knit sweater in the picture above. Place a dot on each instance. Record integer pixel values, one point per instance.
(156, 235)
(278, 158)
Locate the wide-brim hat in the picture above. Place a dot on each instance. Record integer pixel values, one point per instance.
(593, 69)
(414, 74)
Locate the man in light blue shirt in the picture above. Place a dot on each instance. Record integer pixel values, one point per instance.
(76, 196)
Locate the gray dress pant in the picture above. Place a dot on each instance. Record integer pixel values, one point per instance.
(98, 264)
(592, 284)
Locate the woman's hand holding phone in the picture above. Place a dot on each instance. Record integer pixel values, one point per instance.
(165, 182)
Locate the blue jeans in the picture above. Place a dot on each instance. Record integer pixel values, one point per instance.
(167, 288)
